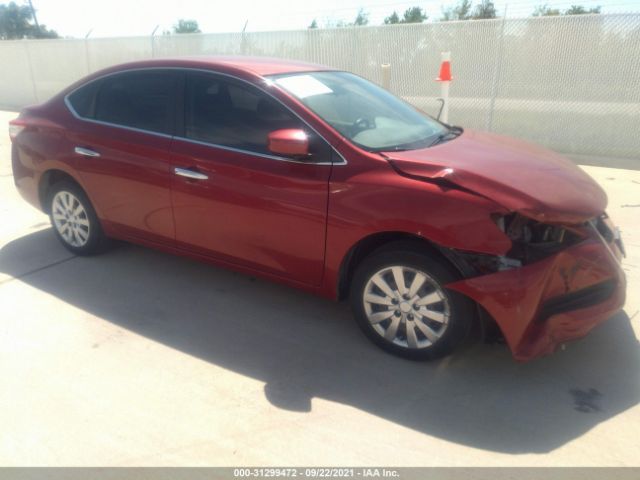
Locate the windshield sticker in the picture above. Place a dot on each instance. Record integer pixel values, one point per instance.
(303, 86)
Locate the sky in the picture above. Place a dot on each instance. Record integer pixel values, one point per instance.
(113, 18)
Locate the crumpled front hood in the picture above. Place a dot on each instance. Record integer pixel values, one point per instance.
(519, 176)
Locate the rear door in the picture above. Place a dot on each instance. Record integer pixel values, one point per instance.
(121, 144)
(248, 206)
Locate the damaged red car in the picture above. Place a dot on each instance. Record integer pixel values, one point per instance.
(321, 180)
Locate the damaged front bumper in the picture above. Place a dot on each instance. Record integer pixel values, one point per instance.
(562, 297)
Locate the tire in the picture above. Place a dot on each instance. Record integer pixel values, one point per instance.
(429, 325)
(74, 219)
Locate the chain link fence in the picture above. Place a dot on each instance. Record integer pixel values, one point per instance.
(571, 83)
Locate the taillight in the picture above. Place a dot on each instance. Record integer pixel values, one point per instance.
(15, 127)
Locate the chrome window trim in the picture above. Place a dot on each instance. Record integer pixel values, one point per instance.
(69, 106)
(109, 124)
(250, 152)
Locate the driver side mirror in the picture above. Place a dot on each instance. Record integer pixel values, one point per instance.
(289, 142)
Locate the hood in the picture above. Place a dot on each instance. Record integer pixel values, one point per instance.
(519, 176)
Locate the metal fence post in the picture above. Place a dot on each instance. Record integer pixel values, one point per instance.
(386, 76)
(33, 78)
(444, 78)
(86, 50)
(497, 73)
(153, 42)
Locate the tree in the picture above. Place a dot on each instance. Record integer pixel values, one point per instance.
(186, 26)
(546, 11)
(580, 10)
(362, 18)
(44, 32)
(462, 11)
(414, 15)
(392, 19)
(410, 15)
(314, 24)
(485, 9)
(15, 23)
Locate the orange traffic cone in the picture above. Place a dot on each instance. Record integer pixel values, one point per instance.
(445, 68)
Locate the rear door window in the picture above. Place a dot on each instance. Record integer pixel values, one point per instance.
(141, 100)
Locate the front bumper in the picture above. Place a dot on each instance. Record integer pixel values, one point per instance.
(562, 297)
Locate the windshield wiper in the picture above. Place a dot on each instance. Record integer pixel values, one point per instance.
(452, 133)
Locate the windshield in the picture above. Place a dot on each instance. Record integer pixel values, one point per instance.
(364, 113)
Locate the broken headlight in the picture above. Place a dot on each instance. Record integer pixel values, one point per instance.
(532, 240)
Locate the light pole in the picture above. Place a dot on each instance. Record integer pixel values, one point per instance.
(35, 18)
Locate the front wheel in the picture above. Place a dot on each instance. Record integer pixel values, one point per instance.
(399, 301)
(74, 219)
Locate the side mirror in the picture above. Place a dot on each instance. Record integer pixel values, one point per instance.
(289, 141)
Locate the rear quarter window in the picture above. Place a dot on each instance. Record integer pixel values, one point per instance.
(82, 100)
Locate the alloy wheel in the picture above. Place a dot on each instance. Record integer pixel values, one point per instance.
(406, 307)
(70, 219)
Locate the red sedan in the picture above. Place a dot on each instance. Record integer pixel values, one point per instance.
(324, 181)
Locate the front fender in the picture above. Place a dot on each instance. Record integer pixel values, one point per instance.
(379, 201)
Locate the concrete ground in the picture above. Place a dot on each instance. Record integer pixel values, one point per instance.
(135, 357)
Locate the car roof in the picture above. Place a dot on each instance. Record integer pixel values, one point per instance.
(257, 65)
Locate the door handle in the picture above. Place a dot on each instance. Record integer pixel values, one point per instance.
(185, 172)
(87, 152)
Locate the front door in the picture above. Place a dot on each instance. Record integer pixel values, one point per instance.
(232, 198)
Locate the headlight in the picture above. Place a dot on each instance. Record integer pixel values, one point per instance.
(533, 240)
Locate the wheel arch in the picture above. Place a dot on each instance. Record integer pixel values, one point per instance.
(373, 242)
(48, 179)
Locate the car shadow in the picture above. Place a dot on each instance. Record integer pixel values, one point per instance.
(304, 347)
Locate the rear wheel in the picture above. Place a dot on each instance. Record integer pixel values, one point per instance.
(74, 220)
(399, 301)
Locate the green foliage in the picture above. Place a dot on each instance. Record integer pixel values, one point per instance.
(484, 10)
(15, 23)
(546, 11)
(44, 32)
(362, 19)
(414, 15)
(392, 19)
(410, 15)
(186, 26)
(580, 10)
(465, 10)
(462, 11)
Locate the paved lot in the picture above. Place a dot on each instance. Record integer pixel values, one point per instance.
(140, 358)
